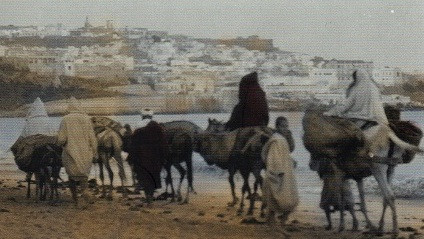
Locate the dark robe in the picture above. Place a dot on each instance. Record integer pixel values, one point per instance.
(147, 155)
(252, 108)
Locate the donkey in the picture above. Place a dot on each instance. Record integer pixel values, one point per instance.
(47, 162)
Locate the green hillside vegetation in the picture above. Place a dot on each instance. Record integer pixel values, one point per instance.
(20, 86)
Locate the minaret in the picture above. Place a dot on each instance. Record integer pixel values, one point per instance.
(87, 24)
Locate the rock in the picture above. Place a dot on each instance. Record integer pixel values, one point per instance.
(201, 213)
(407, 229)
(176, 219)
(13, 199)
(4, 210)
(167, 212)
(134, 208)
(251, 220)
(292, 229)
(220, 215)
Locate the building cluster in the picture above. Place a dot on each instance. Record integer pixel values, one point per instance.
(178, 64)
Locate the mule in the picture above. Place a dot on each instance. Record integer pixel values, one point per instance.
(109, 135)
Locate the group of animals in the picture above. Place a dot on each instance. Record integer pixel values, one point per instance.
(236, 151)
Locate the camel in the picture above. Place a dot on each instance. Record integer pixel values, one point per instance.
(349, 152)
(238, 150)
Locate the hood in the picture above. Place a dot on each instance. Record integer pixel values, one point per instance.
(74, 106)
(37, 109)
(362, 80)
(248, 83)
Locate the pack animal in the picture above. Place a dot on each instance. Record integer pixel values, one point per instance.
(238, 150)
(109, 135)
(353, 160)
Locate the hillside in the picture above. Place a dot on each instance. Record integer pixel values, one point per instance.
(19, 86)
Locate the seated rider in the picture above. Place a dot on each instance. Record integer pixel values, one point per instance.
(252, 108)
(362, 105)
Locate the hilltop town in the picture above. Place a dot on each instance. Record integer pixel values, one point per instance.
(122, 70)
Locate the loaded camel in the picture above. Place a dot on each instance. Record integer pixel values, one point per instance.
(238, 150)
(340, 142)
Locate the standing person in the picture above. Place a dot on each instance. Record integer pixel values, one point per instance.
(147, 155)
(252, 108)
(282, 127)
(76, 135)
(279, 188)
(37, 121)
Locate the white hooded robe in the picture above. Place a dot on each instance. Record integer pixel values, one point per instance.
(37, 121)
(76, 135)
(279, 188)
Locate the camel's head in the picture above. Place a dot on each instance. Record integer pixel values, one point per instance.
(215, 126)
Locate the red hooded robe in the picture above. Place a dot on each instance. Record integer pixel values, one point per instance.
(252, 109)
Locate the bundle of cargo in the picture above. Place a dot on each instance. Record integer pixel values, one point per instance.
(408, 132)
(330, 137)
(24, 148)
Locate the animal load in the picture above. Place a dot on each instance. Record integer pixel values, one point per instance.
(330, 136)
(217, 147)
(24, 148)
(100, 123)
(408, 132)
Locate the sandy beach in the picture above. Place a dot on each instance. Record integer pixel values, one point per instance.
(205, 216)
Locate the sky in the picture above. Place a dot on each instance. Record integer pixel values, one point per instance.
(388, 32)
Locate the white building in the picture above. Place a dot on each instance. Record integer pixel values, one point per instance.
(387, 76)
(188, 83)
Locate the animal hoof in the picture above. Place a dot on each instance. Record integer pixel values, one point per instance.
(250, 213)
(179, 198)
(231, 204)
(184, 202)
(328, 228)
(341, 229)
(263, 215)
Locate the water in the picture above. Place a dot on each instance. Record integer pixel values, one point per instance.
(406, 176)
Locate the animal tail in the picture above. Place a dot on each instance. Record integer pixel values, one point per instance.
(402, 143)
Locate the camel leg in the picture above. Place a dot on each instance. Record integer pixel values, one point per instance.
(232, 171)
(168, 183)
(28, 179)
(341, 203)
(245, 189)
(110, 172)
(121, 172)
(102, 179)
(328, 216)
(182, 172)
(360, 184)
(380, 174)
